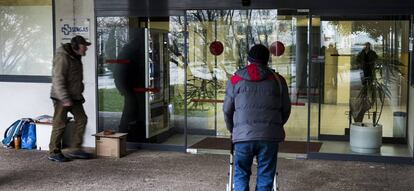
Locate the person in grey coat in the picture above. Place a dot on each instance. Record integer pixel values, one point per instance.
(256, 107)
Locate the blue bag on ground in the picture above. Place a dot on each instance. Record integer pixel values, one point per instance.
(11, 132)
(28, 136)
(24, 128)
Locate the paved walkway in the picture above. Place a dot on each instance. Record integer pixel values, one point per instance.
(157, 170)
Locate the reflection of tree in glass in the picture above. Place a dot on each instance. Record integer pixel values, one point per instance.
(382, 31)
(112, 35)
(200, 89)
(176, 39)
(244, 28)
(241, 29)
(17, 35)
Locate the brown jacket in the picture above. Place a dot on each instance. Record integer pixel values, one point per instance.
(67, 75)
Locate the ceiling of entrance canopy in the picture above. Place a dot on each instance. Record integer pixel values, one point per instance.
(176, 7)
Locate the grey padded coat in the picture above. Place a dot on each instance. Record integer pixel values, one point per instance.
(254, 107)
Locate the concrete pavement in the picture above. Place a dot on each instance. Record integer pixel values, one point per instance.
(158, 170)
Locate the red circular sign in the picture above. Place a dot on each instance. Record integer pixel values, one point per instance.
(216, 48)
(277, 48)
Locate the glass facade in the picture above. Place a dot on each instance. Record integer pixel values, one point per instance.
(359, 87)
(139, 82)
(342, 42)
(319, 62)
(159, 80)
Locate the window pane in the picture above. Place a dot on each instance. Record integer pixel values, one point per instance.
(140, 75)
(238, 30)
(26, 43)
(347, 77)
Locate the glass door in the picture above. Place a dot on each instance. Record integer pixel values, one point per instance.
(135, 88)
(209, 68)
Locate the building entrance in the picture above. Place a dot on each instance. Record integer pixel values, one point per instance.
(237, 31)
(191, 78)
(181, 97)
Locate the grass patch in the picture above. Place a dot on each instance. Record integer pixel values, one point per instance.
(110, 100)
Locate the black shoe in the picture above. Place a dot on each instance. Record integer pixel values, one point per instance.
(79, 155)
(58, 157)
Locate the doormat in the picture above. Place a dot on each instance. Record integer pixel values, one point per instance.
(285, 147)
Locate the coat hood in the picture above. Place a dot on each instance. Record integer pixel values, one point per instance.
(66, 49)
(254, 72)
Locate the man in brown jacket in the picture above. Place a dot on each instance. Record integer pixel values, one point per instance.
(66, 93)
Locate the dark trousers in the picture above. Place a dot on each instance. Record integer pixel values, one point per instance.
(59, 125)
(130, 112)
(266, 153)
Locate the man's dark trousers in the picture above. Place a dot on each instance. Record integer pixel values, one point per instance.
(60, 123)
(266, 153)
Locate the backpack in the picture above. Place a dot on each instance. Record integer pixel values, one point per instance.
(26, 129)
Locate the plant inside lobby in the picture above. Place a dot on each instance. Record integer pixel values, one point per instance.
(371, 97)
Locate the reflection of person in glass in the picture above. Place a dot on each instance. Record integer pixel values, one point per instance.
(366, 61)
(126, 78)
(331, 72)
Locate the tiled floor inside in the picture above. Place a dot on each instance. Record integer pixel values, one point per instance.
(333, 121)
(341, 147)
(331, 147)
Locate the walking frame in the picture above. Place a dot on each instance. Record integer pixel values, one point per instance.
(230, 183)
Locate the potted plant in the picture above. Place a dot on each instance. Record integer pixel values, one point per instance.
(370, 96)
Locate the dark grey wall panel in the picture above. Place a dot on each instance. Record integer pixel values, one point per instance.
(25, 78)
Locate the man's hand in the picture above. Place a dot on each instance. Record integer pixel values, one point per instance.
(67, 103)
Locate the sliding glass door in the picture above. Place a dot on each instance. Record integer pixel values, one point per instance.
(218, 43)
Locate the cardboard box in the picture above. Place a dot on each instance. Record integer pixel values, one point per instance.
(110, 145)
